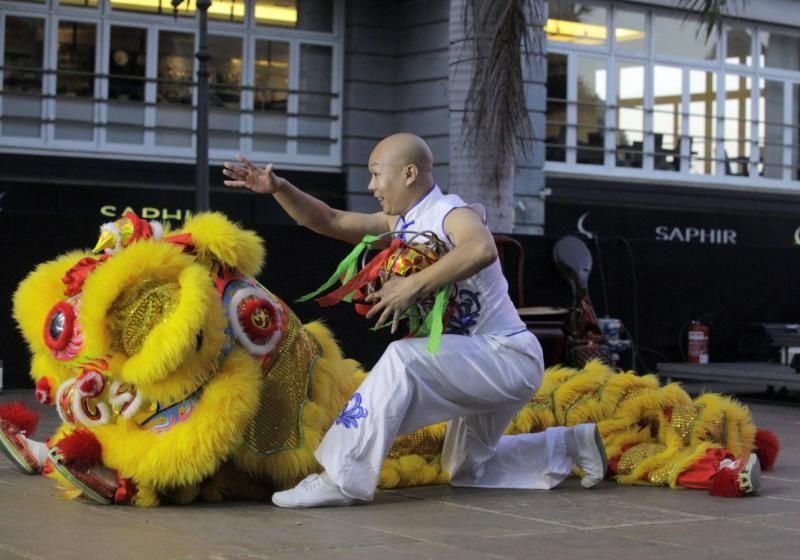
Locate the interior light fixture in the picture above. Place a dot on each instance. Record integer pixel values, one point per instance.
(586, 33)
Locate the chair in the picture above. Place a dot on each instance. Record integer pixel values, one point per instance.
(546, 323)
(509, 247)
(585, 339)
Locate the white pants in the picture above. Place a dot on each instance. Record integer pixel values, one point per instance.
(478, 383)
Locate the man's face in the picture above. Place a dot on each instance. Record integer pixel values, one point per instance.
(387, 183)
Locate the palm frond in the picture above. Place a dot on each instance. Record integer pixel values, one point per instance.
(496, 121)
(712, 11)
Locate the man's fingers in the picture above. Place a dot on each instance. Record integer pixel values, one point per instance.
(234, 183)
(249, 164)
(374, 311)
(233, 173)
(395, 321)
(383, 318)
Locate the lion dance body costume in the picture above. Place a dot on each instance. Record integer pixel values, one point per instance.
(180, 375)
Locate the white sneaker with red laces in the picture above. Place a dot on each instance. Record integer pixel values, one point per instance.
(313, 491)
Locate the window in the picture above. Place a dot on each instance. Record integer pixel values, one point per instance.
(175, 67)
(572, 22)
(739, 48)
(310, 15)
(22, 77)
(187, 8)
(174, 89)
(271, 94)
(630, 114)
(24, 49)
(702, 120)
(667, 127)
(780, 51)
(119, 77)
(629, 31)
(126, 84)
(76, 41)
(737, 124)
(676, 36)
(591, 109)
(771, 134)
(724, 109)
(556, 131)
(75, 81)
(82, 3)
(224, 91)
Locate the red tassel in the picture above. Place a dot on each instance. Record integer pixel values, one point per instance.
(767, 448)
(80, 448)
(21, 416)
(726, 484)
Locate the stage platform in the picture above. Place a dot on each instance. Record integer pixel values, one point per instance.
(765, 375)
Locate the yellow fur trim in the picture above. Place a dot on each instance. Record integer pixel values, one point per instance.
(725, 421)
(139, 263)
(191, 450)
(214, 236)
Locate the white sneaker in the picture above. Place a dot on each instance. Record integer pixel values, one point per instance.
(590, 454)
(313, 491)
(750, 474)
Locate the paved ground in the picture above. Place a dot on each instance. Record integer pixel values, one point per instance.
(435, 522)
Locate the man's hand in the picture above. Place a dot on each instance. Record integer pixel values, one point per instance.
(250, 176)
(394, 297)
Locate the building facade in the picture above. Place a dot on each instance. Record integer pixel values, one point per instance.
(645, 130)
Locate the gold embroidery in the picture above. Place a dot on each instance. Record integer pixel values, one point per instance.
(135, 313)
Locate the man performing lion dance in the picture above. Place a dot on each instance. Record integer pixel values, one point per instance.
(178, 377)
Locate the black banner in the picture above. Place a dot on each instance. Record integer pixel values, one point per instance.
(701, 227)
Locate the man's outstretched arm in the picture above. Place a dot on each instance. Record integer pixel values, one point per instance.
(303, 208)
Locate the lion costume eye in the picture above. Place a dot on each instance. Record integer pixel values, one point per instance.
(61, 331)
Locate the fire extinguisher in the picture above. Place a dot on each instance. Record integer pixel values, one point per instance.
(698, 343)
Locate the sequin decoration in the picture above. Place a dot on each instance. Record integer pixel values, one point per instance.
(421, 442)
(278, 422)
(683, 419)
(411, 258)
(136, 313)
(634, 456)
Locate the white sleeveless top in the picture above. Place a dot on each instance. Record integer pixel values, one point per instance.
(484, 307)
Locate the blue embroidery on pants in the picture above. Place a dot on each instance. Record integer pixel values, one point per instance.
(352, 412)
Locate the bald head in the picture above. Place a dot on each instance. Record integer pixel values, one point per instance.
(401, 170)
(403, 149)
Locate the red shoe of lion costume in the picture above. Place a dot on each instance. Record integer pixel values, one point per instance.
(178, 377)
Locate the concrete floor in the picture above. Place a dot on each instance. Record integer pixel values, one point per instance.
(440, 522)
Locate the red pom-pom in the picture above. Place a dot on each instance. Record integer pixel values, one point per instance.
(80, 448)
(44, 391)
(767, 448)
(726, 484)
(21, 416)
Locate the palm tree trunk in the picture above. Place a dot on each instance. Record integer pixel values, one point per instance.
(473, 174)
(490, 127)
